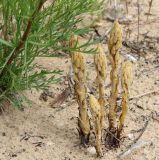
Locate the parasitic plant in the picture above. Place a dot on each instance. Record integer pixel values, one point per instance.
(114, 44)
(97, 113)
(126, 82)
(79, 68)
(100, 64)
(115, 129)
(73, 42)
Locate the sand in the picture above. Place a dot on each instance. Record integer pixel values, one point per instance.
(44, 133)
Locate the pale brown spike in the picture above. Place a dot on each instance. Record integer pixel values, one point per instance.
(96, 111)
(126, 82)
(114, 44)
(79, 68)
(101, 64)
(115, 40)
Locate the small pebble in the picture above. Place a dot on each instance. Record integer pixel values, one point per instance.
(131, 58)
(131, 136)
(3, 134)
(91, 150)
(49, 143)
(60, 124)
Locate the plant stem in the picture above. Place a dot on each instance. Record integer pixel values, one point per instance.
(127, 9)
(150, 5)
(138, 35)
(24, 37)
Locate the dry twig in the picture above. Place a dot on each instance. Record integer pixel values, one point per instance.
(131, 146)
(149, 11)
(144, 94)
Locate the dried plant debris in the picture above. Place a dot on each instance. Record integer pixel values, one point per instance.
(100, 64)
(44, 96)
(79, 68)
(97, 113)
(59, 99)
(114, 44)
(118, 11)
(143, 47)
(134, 147)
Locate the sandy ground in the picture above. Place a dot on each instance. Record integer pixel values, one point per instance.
(45, 133)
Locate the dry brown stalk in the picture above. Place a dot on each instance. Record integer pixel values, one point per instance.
(127, 8)
(138, 23)
(114, 44)
(100, 64)
(97, 112)
(126, 82)
(79, 68)
(149, 11)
